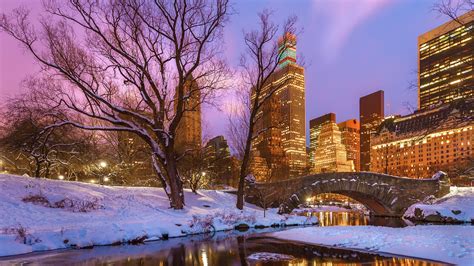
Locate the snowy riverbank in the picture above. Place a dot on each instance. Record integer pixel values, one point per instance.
(457, 206)
(452, 244)
(42, 214)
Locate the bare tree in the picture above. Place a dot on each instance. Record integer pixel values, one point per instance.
(453, 9)
(259, 62)
(30, 148)
(97, 55)
(194, 170)
(238, 121)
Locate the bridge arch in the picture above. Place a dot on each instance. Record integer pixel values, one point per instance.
(384, 195)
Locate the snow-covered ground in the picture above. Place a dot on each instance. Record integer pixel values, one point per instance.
(452, 244)
(42, 214)
(457, 206)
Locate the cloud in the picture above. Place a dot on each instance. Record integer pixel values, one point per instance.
(341, 18)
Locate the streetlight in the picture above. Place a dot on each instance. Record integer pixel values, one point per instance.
(106, 179)
(203, 173)
(103, 164)
(60, 177)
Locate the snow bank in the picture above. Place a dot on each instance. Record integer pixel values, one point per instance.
(452, 244)
(457, 206)
(42, 214)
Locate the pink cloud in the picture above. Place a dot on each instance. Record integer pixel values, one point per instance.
(343, 17)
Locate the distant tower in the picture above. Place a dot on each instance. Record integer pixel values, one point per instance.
(371, 111)
(285, 114)
(189, 133)
(218, 160)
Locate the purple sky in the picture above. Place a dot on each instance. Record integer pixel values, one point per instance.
(350, 47)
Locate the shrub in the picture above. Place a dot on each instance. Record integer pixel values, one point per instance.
(22, 235)
(73, 205)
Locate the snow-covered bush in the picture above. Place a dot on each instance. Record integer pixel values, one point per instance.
(250, 178)
(212, 222)
(73, 205)
(21, 235)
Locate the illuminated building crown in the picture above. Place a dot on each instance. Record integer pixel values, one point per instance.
(287, 49)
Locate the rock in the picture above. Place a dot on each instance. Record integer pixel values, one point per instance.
(242, 227)
(456, 212)
(434, 218)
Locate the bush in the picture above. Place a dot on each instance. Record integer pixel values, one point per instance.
(73, 205)
(205, 223)
(22, 235)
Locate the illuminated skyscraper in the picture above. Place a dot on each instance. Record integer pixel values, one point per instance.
(283, 117)
(445, 62)
(330, 153)
(350, 133)
(314, 131)
(371, 111)
(189, 134)
(218, 161)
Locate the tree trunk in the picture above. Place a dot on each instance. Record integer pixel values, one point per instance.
(37, 168)
(48, 166)
(243, 174)
(245, 164)
(176, 195)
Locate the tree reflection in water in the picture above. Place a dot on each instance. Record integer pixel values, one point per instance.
(226, 248)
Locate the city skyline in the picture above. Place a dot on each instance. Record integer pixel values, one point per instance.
(137, 143)
(347, 55)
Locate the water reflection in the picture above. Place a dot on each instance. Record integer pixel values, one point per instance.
(354, 218)
(222, 249)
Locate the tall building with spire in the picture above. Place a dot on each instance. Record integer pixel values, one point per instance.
(189, 132)
(282, 118)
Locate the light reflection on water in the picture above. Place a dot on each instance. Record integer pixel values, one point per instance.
(353, 218)
(226, 248)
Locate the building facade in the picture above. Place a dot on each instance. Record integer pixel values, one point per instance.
(189, 132)
(350, 134)
(218, 161)
(315, 125)
(330, 153)
(420, 144)
(371, 112)
(281, 146)
(445, 62)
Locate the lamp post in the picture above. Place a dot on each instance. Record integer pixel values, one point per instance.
(102, 177)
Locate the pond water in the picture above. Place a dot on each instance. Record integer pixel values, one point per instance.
(253, 247)
(225, 248)
(354, 218)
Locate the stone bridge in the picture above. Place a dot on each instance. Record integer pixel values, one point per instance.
(383, 195)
